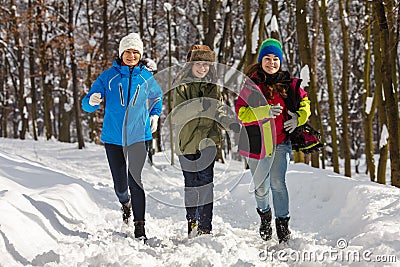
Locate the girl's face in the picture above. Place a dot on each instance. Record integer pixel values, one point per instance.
(270, 63)
(200, 69)
(131, 57)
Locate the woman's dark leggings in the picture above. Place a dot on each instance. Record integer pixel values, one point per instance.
(135, 156)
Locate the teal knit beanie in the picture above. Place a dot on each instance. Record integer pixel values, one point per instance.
(270, 46)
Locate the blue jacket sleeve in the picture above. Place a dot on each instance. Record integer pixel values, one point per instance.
(155, 97)
(97, 87)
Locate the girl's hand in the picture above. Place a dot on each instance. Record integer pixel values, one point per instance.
(291, 124)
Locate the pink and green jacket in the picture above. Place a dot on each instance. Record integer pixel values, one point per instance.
(261, 132)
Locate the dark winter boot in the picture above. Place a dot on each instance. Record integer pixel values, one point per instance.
(139, 230)
(265, 226)
(282, 229)
(126, 211)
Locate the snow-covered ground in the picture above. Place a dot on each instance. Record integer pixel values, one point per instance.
(58, 208)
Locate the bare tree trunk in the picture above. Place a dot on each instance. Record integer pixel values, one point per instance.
(3, 103)
(77, 105)
(291, 44)
(210, 30)
(176, 35)
(345, 89)
(262, 12)
(141, 18)
(305, 56)
(154, 17)
(171, 133)
(393, 43)
(92, 116)
(21, 74)
(391, 107)
(368, 115)
(223, 50)
(47, 91)
(331, 100)
(248, 33)
(32, 72)
(64, 116)
(314, 69)
(124, 10)
(383, 149)
(105, 35)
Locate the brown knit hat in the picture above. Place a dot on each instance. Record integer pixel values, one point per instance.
(200, 53)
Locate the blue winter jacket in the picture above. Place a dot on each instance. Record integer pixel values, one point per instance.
(125, 125)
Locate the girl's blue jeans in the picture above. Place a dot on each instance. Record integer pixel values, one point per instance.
(270, 174)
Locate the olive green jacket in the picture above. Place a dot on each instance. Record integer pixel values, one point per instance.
(198, 116)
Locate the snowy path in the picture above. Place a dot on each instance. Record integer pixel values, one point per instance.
(58, 208)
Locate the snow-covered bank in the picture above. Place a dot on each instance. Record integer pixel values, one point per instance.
(58, 208)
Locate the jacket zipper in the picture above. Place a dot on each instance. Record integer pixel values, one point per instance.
(121, 95)
(125, 141)
(136, 95)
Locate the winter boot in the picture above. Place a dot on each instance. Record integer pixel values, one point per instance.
(265, 226)
(282, 229)
(192, 227)
(139, 230)
(126, 211)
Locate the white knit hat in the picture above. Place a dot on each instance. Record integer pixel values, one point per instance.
(131, 41)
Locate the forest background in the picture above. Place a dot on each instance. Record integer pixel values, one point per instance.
(52, 51)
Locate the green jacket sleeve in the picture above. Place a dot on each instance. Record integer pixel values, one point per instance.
(304, 111)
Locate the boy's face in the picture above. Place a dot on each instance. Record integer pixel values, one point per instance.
(200, 68)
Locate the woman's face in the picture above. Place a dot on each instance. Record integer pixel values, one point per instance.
(131, 57)
(270, 63)
(200, 69)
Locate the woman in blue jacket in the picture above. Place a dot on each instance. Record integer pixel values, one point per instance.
(133, 102)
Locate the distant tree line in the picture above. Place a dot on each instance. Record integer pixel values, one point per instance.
(51, 52)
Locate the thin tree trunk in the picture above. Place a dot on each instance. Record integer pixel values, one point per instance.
(21, 73)
(47, 92)
(105, 51)
(3, 103)
(331, 95)
(92, 133)
(345, 90)
(223, 50)
(262, 12)
(125, 12)
(32, 73)
(305, 56)
(383, 149)
(77, 105)
(248, 33)
(314, 69)
(141, 18)
(171, 133)
(368, 115)
(154, 17)
(210, 30)
(64, 116)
